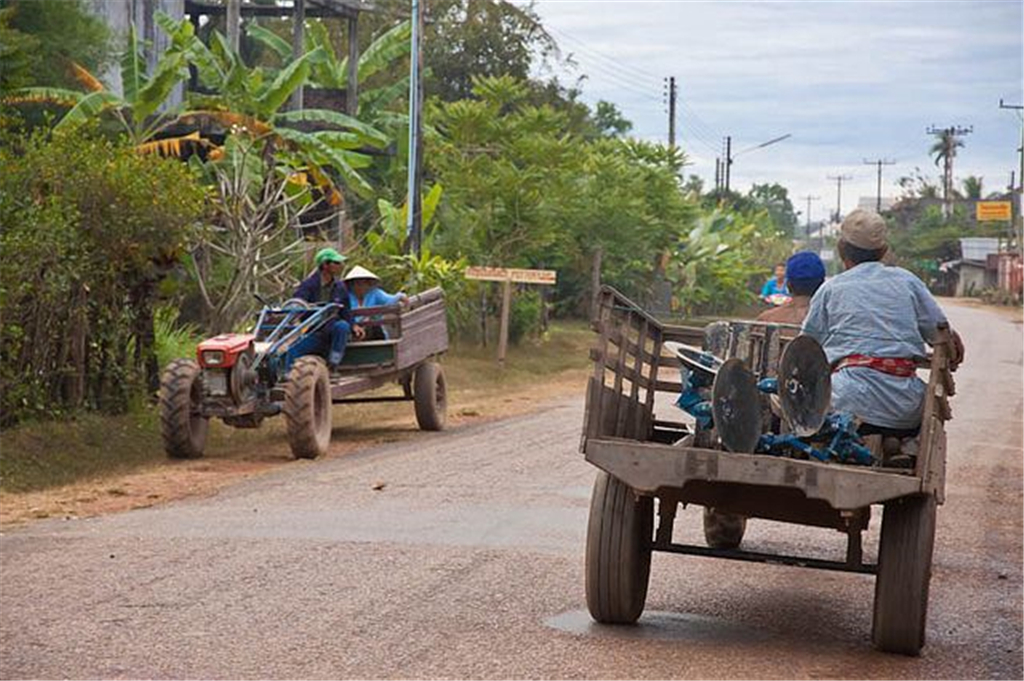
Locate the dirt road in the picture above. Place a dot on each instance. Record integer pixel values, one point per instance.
(460, 554)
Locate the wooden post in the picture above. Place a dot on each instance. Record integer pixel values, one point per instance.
(352, 90)
(506, 309)
(595, 280)
(298, 45)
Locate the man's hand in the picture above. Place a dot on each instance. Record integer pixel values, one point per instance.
(358, 331)
(403, 300)
(956, 350)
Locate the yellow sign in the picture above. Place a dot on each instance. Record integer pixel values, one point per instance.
(511, 274)
(989, 211)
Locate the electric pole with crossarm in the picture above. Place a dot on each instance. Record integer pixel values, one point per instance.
(878, 196)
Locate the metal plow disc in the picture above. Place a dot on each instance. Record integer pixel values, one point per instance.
(805, 385)
(736, 407)
(694, 359)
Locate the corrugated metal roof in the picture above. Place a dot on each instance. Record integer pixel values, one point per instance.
(978, 248)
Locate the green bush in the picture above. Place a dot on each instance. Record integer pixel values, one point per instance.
(89, 228)
(524, 317)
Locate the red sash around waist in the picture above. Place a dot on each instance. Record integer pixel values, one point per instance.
(894, 366)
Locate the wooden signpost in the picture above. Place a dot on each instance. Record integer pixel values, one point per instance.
(507, 276)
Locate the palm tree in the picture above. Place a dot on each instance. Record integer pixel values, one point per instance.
(944, 151)
(972, 187)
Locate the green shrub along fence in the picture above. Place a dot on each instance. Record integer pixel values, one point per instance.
(89, 229)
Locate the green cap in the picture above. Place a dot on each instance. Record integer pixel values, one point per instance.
(327, 255)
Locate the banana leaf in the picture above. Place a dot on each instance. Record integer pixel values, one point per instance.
(287, 81)
(270, 40)
(369, 134)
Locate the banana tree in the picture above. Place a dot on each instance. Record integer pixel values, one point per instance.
(141, 110)
(249, 101)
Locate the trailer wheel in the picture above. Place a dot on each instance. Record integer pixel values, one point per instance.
(618, 554)
(307, 407)
(430, 396)
(182, 424)
(723, 530)
(904, 570)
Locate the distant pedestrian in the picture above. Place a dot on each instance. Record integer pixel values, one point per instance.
(805, 273)
(775, 286)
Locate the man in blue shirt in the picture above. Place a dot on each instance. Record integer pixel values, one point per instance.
(325, 286)
(873, 321)
(776, 286)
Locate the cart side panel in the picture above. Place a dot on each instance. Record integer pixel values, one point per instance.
(931, 460)
(424, 333)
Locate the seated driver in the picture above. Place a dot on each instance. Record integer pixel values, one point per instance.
(325, 286)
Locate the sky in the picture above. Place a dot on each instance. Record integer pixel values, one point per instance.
(848, 80)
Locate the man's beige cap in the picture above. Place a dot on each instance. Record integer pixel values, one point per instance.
(358, 272)
(864, 229)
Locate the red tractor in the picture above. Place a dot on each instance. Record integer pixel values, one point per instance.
(243, 378)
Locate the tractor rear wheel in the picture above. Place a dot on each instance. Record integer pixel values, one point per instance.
(307, 407)
(182, 424)
(430, 395)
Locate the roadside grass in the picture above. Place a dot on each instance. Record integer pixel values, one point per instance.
(89, 447)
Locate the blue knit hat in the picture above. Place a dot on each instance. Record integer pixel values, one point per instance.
(805, 266)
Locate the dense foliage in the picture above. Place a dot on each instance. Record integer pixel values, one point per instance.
(89, 230)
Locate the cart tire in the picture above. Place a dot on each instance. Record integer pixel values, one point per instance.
(723, 530)
(618, 554)
(430, 396)
(307, 407)
(182, 425)
(904, 570)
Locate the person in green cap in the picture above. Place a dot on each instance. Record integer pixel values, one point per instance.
(326, 286)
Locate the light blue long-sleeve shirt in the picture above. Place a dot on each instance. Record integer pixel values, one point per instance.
(878, 311)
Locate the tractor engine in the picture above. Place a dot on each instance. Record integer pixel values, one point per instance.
(228, 377)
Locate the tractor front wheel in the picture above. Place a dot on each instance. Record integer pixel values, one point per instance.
(182, 424)
(307, 407)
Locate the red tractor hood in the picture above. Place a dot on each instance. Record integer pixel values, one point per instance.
(231, 344)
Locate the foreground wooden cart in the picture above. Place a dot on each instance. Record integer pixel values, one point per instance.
(645, 474)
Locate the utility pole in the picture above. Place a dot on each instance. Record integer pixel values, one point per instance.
(807, 229)
(718, 174)
(1018, 223)
(948, 138)
(414, 217)
(839, 193)
(878, 196)
(672, 112)
(728, 161)
(233, 18)
(298, 45)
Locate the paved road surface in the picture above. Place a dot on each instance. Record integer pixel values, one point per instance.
(469, 563)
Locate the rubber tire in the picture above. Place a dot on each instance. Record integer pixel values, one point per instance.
(723, 530)
(430, 395)
(618, 553)
(904, 571)
(182, 427)
(307, 407)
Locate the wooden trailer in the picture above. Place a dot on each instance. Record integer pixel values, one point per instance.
(649, 466)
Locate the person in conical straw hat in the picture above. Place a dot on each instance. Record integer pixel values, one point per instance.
(364, 291)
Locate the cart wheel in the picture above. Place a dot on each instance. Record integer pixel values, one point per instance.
(618, 551)
(430, 395)
(723, 530)
(182, 424)
(904, 570)
(307, 407)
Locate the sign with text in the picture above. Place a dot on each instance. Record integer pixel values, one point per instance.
(991, 211)
(511, 274)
